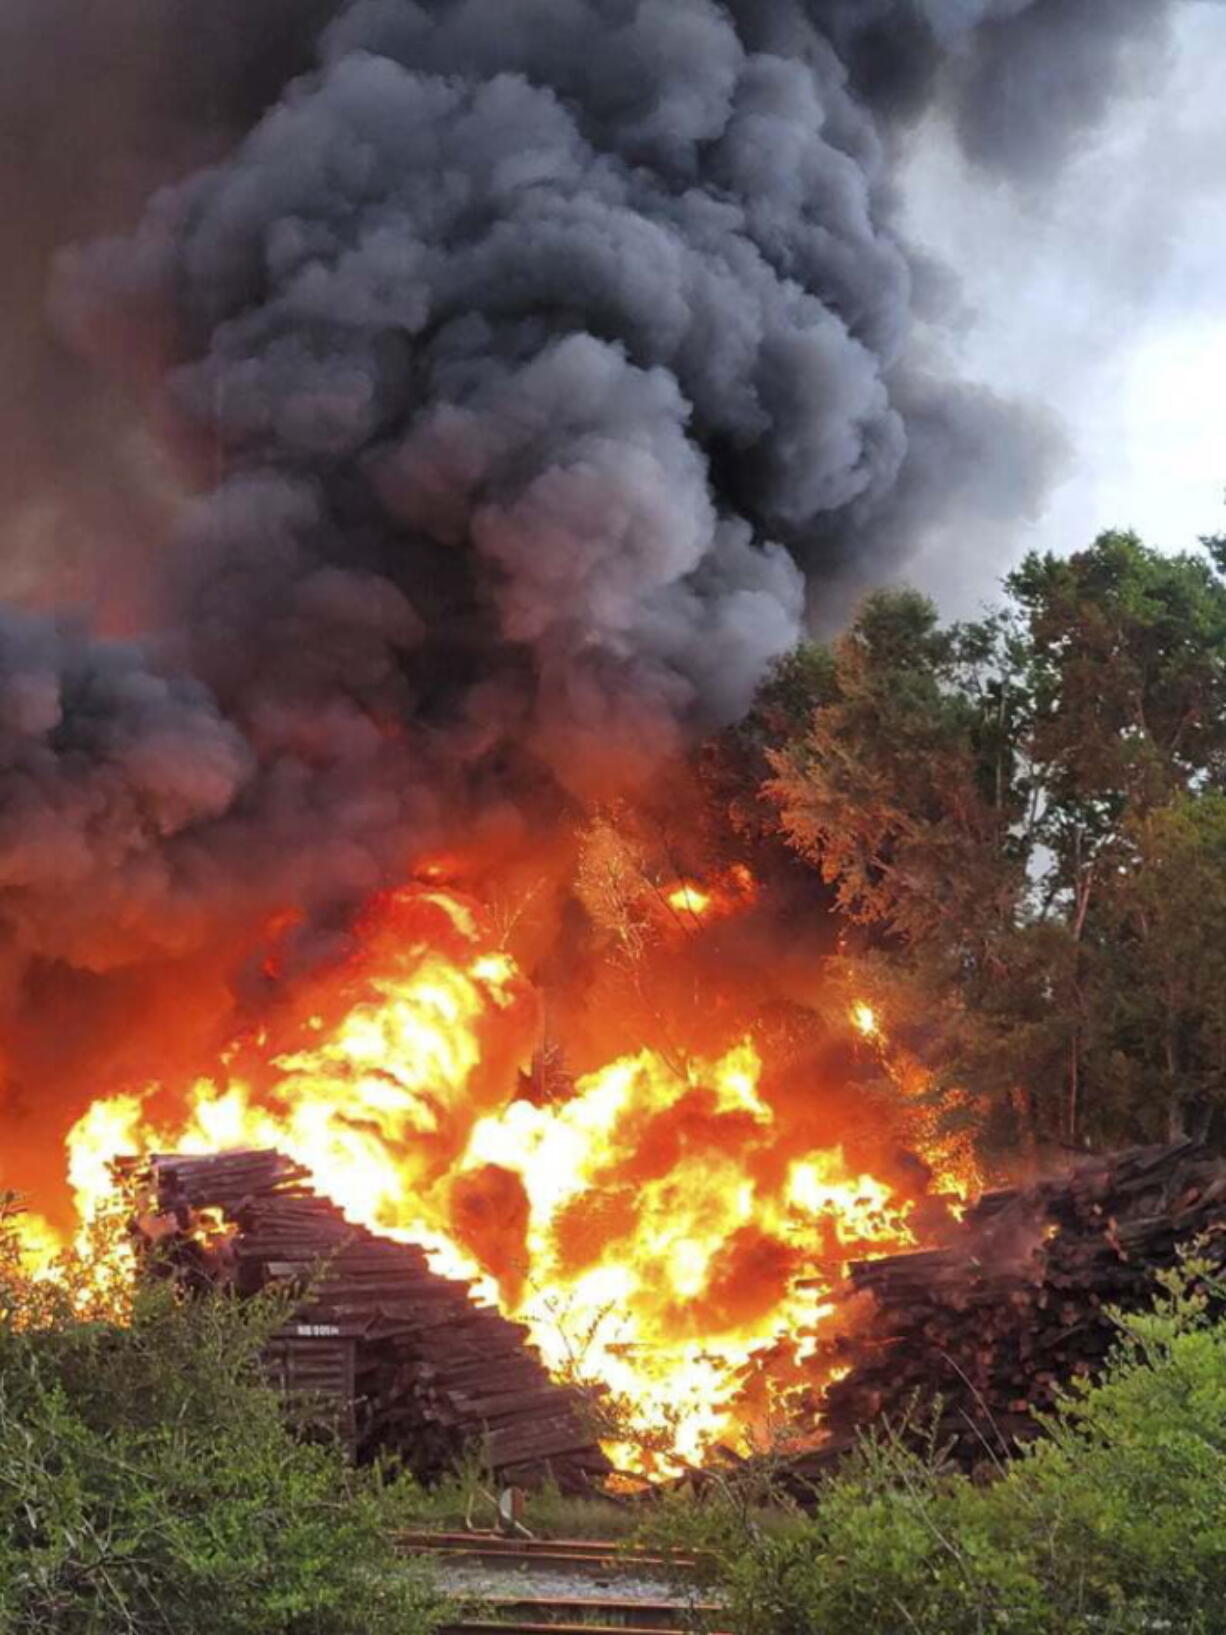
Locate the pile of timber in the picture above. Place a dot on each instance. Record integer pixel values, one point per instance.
(984, 1332)
(402, 1359)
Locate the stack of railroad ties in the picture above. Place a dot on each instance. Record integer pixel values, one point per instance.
(990, 1327)
(402, 1359)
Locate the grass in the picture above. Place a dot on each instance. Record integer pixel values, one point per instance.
(468, 1500)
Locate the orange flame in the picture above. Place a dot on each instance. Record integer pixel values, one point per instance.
(656, 1230)
(38, 1244)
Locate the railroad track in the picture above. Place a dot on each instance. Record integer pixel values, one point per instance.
(571, 1555)
(532, 1568)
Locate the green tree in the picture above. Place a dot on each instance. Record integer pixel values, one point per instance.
(975, 794)
(1126, 661)
(1161, 978)
(1126, 653)
(893, 790)
(908, 790)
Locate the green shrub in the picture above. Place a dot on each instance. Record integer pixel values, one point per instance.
(148, 1481)
(1114, 1524)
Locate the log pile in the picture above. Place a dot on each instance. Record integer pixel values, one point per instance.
(407, 1361)
(1014, 1308)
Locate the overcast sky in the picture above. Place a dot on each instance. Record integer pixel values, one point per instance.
(1105, 299)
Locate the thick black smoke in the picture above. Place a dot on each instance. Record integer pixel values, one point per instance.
(526, 357)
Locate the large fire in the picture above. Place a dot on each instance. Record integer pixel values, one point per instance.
(653, 1222)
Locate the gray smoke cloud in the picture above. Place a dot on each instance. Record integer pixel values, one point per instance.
(534, 362)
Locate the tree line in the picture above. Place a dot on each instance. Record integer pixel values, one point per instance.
(1022, 821)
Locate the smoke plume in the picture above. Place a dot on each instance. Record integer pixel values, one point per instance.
(525, 370)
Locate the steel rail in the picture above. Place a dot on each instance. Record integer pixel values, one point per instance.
(525, 1613)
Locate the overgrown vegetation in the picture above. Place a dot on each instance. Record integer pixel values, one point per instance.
(1114, 1524)
(149, 1483)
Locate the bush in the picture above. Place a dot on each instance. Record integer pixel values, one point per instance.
(1114, 1524)
(148, 1481)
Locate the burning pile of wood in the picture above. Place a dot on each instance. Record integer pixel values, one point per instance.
(996, 1322)
(405, 1360)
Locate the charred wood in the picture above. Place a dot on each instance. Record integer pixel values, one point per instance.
(974, 1341)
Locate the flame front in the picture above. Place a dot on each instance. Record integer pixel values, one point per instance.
(651, 1222)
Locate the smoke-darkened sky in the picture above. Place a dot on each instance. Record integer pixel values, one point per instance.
(456, 405)
(1101, 293)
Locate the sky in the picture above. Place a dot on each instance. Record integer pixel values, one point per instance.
(1103, 298)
